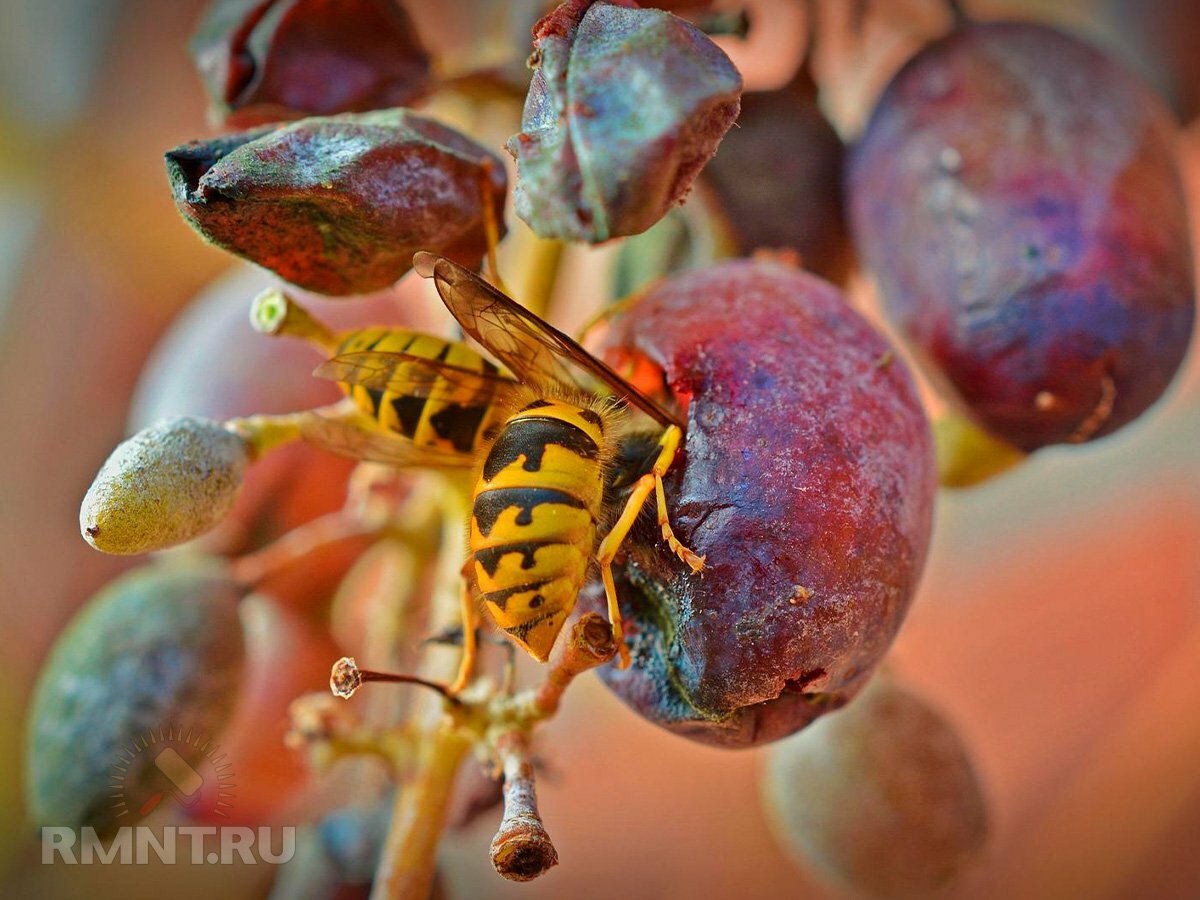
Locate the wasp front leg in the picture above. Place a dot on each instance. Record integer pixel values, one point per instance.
(470, 623)
(651, 481)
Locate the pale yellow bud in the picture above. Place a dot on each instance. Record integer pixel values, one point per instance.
(167, 484)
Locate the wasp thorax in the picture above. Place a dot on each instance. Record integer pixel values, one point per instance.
(167, 484)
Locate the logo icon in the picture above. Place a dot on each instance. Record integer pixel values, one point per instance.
(169, 766)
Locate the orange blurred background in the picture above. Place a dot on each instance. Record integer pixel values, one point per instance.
(1058, 624)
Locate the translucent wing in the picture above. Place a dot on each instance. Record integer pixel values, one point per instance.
(415, 376)
(534, 350)
(359, 437)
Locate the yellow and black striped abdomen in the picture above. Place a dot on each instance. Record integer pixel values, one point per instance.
(533, 527)
(452, 418)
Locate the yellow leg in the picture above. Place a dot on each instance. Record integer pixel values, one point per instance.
(607, 552)
(470, 620)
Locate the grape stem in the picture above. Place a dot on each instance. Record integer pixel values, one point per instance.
(252, 569)
(521, 849)
(408, 863)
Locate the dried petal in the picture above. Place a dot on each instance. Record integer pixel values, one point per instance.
(167, 484)
(339, 205)
(265, 60)
(158, 649)
(625, 108)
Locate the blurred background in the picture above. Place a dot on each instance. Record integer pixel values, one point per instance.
(1058, 625)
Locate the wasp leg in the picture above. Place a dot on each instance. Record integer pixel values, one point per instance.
(470, 622)
(651, 481)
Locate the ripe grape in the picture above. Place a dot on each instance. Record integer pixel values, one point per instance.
(1016, 195)
(882, 795)
(806, 478)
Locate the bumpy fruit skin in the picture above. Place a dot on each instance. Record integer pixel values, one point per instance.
(340, 204)
(806, 478)
(625, 107)
(1015, 193)
(266, 60)
(881, 795)
(160, 647)
(167, 484)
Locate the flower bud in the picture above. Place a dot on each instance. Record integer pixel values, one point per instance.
(167, 484)
(265, 60)
(625, 108)
(159, 649)
(881, 795)
(339, 205)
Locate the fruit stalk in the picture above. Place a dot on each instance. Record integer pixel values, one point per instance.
(408, 863)
(521, 849)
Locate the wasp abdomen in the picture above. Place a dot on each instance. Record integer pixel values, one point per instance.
(533, 527)
(450, 418)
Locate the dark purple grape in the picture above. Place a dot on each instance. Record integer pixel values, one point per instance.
(1016, 194)
(806, 478)
(778, 177)
(265, 60)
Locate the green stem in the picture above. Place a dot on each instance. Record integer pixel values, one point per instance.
(409, 862)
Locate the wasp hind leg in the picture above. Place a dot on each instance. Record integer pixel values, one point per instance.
(651, 481)
(470, 622)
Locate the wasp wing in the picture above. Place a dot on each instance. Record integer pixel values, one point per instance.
(416, 376)
(533, 349)
(359, 437)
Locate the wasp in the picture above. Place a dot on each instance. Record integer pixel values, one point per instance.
(442, 414)
(545, 438)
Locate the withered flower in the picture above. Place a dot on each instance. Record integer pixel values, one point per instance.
(625, 108)
(338, 205)
(266, 60)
